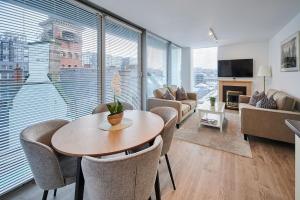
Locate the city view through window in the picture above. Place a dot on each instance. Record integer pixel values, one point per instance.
(49, 69)
(205, 73)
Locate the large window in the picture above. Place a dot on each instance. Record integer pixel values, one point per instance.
(122, 50)
(157, 51)
(204, 73)
(49, 70)
(175, 65)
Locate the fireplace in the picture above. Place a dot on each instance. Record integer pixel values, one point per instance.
(241, 89)
(230, 90)
(232, 99)
(231, 95)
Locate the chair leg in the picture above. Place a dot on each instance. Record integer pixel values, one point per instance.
(157, 187)
(45, 194)
(170, 171)
(55, 190)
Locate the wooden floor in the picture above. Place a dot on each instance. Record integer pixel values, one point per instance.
(203, 173)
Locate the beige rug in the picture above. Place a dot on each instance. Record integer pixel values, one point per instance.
(230, 140)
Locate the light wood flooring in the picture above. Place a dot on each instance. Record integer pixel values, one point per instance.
(202, 173)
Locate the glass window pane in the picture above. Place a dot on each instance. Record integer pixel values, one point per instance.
(49, 70)
(122, 49)
(204, 73)
(157, 50)
(175, 65)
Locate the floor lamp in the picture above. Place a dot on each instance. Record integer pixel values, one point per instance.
(265, 72)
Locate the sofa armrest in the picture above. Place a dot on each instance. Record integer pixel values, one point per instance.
(155, 102)
(244, 99)
(192, 96)
(267, 123)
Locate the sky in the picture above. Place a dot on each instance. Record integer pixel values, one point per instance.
(206, 58)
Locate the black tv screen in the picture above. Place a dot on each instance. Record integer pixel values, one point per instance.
(235, 68)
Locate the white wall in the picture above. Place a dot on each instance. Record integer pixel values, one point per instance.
(186, 73)
(286, 81)
(257, 51)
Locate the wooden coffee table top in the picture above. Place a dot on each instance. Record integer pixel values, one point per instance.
(83, 136)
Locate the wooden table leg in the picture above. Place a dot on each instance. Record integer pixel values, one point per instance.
(79, 187)
(157, 187)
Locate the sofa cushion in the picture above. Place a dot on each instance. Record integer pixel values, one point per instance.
(266, 102)
(284, 102)
(185, 109)
(168, 96)
(191, 103)
(158, 93)
(181, 94)
(271, 92)
(256, 97)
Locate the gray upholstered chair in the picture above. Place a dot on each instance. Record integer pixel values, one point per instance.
(103, 108)
(127, 177)
(50, 170)
(169, 115)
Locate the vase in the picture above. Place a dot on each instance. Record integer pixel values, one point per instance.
(115, 118)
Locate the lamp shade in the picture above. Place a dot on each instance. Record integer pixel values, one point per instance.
(264, 71)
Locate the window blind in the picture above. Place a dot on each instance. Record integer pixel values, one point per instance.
(122, 55)
(157, 50)
(175, 65)
(48, 70)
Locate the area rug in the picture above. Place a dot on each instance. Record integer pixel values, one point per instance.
(230, 140)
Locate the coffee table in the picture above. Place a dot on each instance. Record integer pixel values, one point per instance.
(212, 115)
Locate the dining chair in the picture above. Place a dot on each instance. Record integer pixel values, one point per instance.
(169, 115)
(125, 177)
(50, 169)
(103, 108)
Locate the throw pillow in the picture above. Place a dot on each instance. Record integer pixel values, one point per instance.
(256, 97)
(173, 89)
(181, 94)
(266, 102)
(168, 95)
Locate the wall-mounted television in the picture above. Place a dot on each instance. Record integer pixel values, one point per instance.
(235, 68)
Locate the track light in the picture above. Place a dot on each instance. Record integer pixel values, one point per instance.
(212, 34)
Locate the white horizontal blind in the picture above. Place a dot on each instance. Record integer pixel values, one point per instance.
(48, 70)
(122, 55)
(175, 65)
(157, 50)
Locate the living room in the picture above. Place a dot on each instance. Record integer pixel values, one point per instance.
(135, 99)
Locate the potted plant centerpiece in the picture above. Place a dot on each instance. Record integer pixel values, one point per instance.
(212, 101)
(115, 108)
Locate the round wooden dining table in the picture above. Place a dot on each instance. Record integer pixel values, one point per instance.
(83, 137)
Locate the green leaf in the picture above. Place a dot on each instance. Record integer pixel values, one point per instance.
(110, 108)
(120, 107)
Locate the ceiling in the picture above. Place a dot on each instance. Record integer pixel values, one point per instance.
(186, 22)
